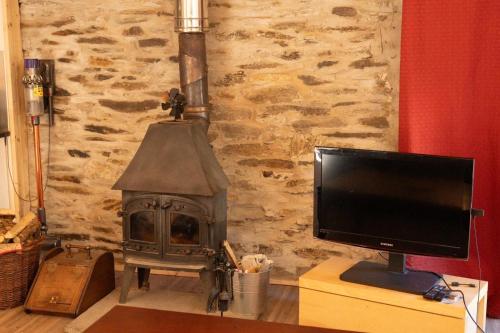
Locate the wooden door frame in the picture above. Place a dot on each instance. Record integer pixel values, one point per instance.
(18, 121)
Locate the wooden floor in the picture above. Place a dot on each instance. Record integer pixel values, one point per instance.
(282, 307)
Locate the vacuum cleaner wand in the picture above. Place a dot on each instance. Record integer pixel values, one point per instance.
(39, 76)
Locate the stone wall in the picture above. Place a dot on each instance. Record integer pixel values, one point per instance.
(285, 76)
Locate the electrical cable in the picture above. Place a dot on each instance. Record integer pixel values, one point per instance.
(457, 290)
(463, 301)
(380, 254)
(478, 263)
(440, 276)
(47, 168)
(12, 178)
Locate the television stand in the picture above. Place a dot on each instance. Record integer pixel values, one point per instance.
(326, 301)
(394, 275)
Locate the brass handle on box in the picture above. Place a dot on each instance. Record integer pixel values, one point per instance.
(80, 247)
(55, 300)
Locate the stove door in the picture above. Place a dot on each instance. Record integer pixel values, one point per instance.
(186, 228)
(142, 226)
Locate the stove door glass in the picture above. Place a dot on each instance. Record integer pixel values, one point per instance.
(142, 226)
(184, 230)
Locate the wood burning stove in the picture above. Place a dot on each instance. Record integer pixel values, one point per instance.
(173, 202)
(174, 190)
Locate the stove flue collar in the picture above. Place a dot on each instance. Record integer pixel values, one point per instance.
(191, 16)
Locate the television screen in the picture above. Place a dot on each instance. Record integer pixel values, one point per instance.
(406, 203)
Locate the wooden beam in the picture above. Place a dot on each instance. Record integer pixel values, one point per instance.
(18, 126)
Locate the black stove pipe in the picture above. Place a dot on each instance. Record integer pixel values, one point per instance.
(191, 22)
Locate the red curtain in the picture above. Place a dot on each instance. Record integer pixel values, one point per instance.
(450, 105)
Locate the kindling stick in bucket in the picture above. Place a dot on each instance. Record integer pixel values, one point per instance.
(249, 283)
(255, 263)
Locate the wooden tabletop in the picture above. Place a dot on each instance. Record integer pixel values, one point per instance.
(326, 278)
(123, 319)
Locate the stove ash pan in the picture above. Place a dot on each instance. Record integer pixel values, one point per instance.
(173, 228)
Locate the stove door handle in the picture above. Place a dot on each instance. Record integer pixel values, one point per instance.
(153, 204)
(166, 205)
(210, 219)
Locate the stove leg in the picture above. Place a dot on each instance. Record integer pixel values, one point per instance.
(143, 277)
(128, 275)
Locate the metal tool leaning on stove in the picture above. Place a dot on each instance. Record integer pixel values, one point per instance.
(222, 293)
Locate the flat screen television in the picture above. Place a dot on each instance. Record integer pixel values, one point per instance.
(396, 202)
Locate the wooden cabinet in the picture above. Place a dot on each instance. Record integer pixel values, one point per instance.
(326, 301)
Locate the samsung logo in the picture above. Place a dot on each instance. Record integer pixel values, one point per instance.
(387, 244)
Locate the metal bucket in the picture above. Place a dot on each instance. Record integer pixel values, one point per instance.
(250, 293)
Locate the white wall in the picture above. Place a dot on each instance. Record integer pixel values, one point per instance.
(4, 184)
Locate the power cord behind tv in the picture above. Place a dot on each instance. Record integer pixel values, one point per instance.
(457, 291)
(476, 214)
(465, 305)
